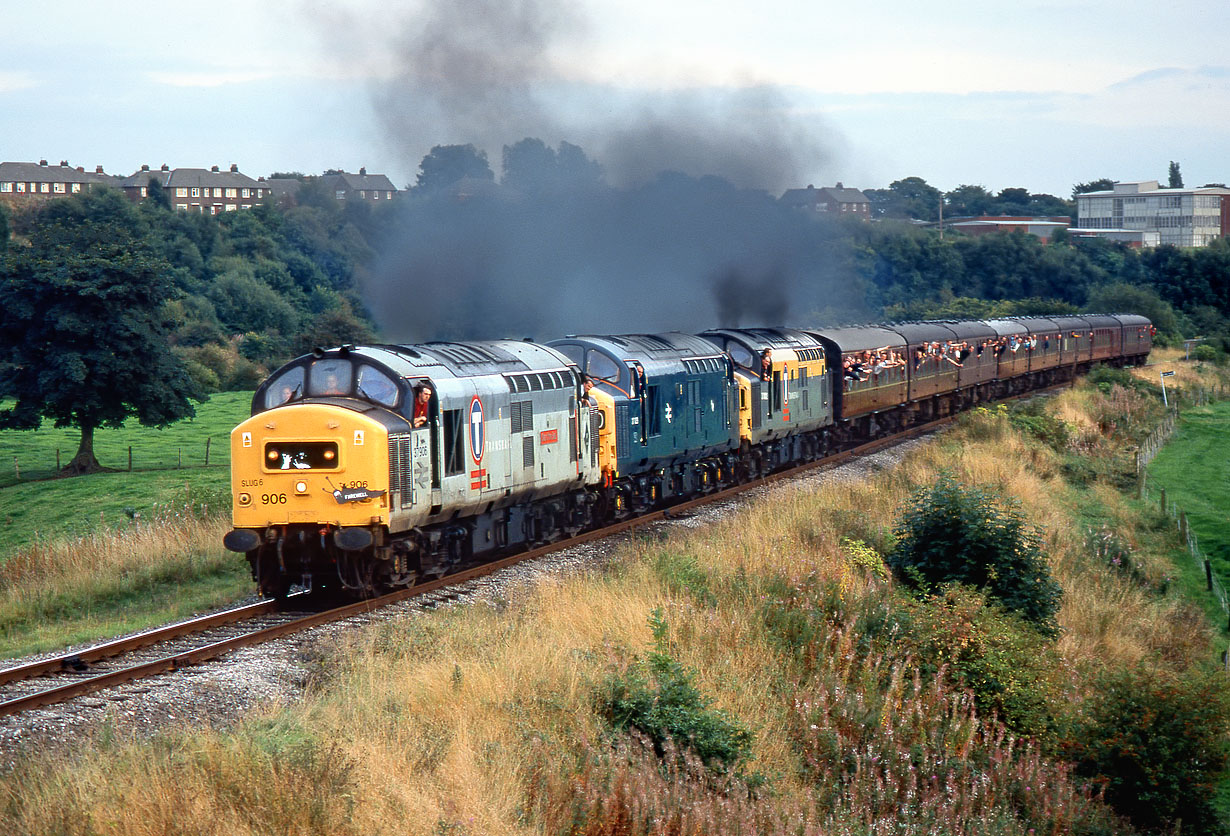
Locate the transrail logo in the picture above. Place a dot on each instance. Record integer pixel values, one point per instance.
(478, 430)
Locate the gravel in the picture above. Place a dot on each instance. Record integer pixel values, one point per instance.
(221, 692)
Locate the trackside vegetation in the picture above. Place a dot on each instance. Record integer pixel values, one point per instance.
(764, 674)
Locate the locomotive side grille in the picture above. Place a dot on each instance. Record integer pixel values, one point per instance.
(399, 469)
(572, 429)
(621, 428)
(595, 423)
(527, 451)
(756, 408)
(522, 415)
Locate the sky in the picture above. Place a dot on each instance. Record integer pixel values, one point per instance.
(777, 94)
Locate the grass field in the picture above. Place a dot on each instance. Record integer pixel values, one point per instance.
(1194, 468)
(38, 506)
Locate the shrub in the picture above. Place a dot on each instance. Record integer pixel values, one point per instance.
(952, 533)
(1156, 743)
(1209, 354)
(1013, 672)
(657, 697)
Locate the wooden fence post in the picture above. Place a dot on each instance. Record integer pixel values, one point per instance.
(57, 459)
(17, 468)
(1208, 575)
(207, 440)
(130, 458)
(1163, 500)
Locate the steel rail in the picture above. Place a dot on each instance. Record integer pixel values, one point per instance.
(82, 658)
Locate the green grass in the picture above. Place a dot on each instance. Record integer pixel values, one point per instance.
(42, 507)
(33, 452)
(182, 587)
(1194, 469)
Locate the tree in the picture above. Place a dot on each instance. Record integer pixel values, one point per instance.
(968, 200)
(953, 533)
(83, 332)
(531, 167)
(157, 194)
(446, 164)
(4, 229)
(1103, 185)
(1174, 178)
(911, 197)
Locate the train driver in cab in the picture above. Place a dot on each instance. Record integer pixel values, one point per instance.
(422, 403)
(766, 364)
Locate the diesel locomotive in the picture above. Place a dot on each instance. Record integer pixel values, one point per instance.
(340, 482)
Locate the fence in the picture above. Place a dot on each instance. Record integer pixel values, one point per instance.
(1148, 450)
(37, 464)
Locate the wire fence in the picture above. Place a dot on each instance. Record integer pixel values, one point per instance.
(39, 464)
(1145, 454)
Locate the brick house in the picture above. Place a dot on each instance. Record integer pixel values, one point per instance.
(835, 200)
(362, 186)
(212, 191)
(25, 184)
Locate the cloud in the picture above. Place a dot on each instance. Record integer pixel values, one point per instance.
(208, 78)
(12, 81)
(1177, 97)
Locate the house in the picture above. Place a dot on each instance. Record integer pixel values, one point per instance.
(212, 191)
(835, 200)
(361, 186)
(25, 184)
(1183, 217)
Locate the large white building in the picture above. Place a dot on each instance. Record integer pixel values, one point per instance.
(1183, 217)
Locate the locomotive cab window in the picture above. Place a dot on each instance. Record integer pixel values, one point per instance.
(601, 366)
(741, 354)
(376, 386)
(285, 388)
(330, 377)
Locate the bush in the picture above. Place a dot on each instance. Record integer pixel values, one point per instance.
(1013, 672)
(657, 697)
(1206, 353)
(1156, 743)
(956, 534)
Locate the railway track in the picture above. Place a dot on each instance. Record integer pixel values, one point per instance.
(186, 644)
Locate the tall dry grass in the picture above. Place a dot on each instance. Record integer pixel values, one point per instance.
(485, 719)
(69, 589)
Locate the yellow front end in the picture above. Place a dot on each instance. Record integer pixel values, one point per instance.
(309, 464)
(607, 453)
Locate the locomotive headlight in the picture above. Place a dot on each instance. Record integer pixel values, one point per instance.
(301, 486)
(330, 455)
(245, 498)
(271, 454)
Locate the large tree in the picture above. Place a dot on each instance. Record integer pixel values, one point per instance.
(83, 329)
(1174, 178)
(447, 164)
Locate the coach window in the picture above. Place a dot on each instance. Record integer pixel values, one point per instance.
(286, 387)
(330, 377)
(376, 386)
